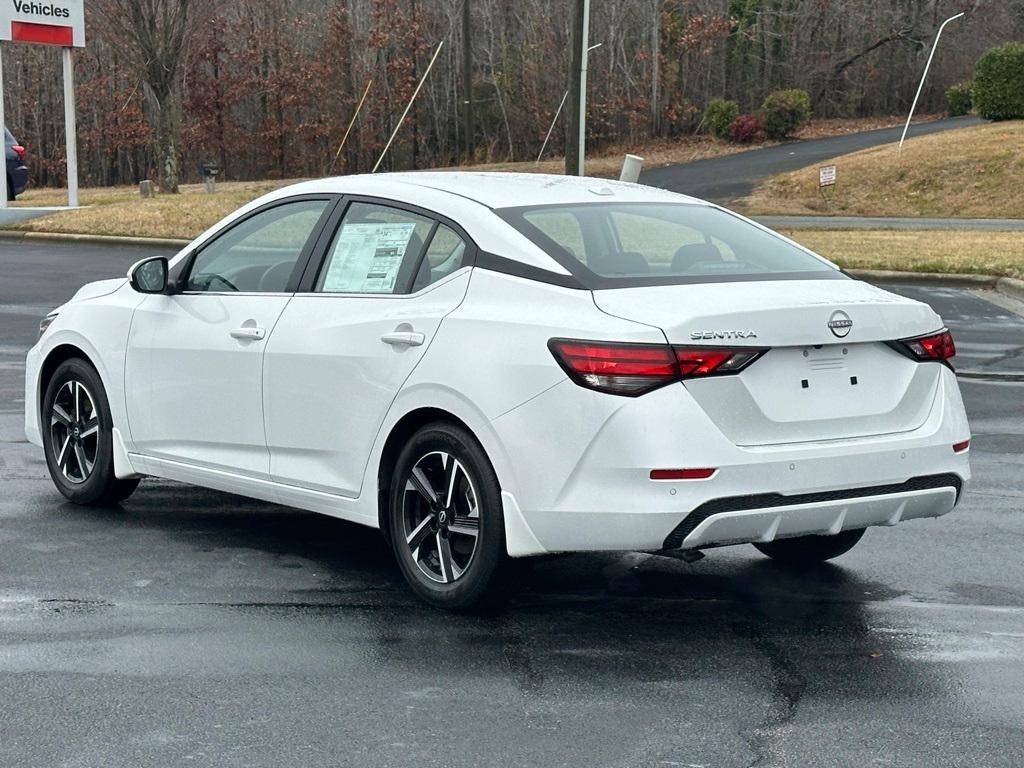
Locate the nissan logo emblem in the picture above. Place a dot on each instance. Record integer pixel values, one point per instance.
(840, 324)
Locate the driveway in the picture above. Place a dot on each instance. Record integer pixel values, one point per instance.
(732, 176)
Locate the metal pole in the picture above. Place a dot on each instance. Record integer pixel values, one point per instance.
(408, 107)
(582, 113)
(70, 130)
(352, 122)
(467, 83)
(925, 77)
(552, 128)
(3, 124)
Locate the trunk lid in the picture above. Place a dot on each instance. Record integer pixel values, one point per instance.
(814, 383)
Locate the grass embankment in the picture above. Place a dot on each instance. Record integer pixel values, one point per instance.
(968, 172)
(986, 253)
(121, 211)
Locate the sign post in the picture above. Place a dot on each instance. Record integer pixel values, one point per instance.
(48, 22)
(3, 123)
(70, 127)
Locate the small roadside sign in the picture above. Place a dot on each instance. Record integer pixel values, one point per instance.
(49, 22)
(827, 176)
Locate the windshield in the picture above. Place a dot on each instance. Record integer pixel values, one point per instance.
(623, 244)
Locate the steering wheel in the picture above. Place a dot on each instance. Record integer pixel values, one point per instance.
(217, 278)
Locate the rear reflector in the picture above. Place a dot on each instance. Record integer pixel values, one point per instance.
(682, 474)
(961, 447)
(19, 151)
(935, 346)
(635, 369)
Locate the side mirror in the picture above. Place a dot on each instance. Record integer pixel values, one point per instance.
(150, 275)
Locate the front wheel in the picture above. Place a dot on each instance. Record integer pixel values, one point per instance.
(78, 437)
(806, 550)
(447, 526)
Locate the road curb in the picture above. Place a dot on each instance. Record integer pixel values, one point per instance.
(63, 237)
(1008, 286)
(1011, 287)
(951, 280)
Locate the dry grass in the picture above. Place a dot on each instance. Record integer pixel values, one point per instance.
(988, 253)
(966, 172)
(839, 126)
(121, 211)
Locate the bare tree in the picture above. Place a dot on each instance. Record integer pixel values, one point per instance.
(155, 32)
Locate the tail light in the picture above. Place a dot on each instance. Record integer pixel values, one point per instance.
(935, 346)
(636, 369)
(19, 151)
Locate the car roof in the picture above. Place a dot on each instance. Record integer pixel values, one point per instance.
(504, 190)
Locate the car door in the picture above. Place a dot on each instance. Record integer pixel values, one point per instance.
(194, 367)
(342, 350)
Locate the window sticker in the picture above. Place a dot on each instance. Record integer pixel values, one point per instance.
(367, 257)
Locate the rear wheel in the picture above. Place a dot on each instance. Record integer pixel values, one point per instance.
(805, 550)
(78, 437)
(447, 527)
(10, 189)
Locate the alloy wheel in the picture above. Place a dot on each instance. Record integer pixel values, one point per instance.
(441, 516)
(74, 431)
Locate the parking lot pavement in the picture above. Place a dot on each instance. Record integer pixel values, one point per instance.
(193, 627)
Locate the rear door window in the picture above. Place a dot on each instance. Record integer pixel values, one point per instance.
(374, 251)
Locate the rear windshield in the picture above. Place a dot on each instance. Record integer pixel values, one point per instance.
(624, 244)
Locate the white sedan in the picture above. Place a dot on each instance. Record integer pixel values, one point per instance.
(489, 367)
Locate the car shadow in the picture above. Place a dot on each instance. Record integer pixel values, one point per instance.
(588, 620)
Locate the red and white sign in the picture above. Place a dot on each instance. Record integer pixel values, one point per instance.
(50, 22)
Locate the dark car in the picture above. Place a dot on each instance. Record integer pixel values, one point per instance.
(17, 173)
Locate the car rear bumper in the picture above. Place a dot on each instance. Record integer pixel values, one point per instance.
(769, 517)
(581, 475)
(18, 175)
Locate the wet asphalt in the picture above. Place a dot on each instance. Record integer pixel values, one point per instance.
(190, 627)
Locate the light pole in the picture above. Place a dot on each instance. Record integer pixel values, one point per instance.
(925, 77)
(581, 113)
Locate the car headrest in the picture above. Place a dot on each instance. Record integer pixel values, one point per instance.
(622, 263)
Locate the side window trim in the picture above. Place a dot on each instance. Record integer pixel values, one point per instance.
(301, 264)
(321, 252)
(406, 282)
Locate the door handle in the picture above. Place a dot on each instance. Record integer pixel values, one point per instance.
(249, 333)
(404, 338)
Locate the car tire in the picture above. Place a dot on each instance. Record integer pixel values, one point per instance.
(446, 521)
(78, 437)
(806, 550)
(10, 189)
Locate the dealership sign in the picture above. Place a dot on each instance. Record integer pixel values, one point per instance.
(47, 22)
(51, 22)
